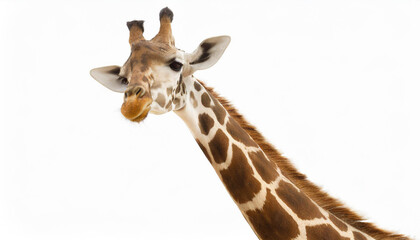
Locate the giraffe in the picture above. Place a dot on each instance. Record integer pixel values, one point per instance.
(276, 200)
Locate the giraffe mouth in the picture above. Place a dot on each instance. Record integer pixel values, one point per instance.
(142, 114)
(136, 110)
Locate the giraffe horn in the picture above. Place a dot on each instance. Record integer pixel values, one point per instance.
(136, 31)
(165, 32)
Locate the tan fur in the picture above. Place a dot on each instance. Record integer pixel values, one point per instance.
(165, 32)
(327, 202)
(136, 34)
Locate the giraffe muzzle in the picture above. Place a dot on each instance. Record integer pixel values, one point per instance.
(136, 104)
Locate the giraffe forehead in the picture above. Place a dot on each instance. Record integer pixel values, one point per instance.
(144, 55)
(147, 51)
(146, 59)
(152, 46)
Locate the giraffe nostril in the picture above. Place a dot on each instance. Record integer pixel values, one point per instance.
(140, 92)
(135, 91)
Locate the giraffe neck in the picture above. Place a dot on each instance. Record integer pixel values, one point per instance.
(273, 206)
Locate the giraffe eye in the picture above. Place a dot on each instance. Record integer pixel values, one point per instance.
(176, 66)
(123, 80)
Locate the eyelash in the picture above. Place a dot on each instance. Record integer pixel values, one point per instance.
(123, 80)
(176, 66)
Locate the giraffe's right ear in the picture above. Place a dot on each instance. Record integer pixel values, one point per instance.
(108, 76)
(208, 53)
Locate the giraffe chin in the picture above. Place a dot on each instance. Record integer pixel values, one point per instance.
(142, 115)
(136, 110)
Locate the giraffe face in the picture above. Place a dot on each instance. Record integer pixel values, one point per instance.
(152, 73)
(152, 77)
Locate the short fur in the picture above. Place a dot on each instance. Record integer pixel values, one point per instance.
(314, 192)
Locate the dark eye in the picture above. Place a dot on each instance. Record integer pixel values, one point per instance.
(176, 66)
(123, 80)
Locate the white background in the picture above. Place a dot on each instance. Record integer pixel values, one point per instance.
(333, 84)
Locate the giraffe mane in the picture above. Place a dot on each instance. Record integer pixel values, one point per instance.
(313, 191)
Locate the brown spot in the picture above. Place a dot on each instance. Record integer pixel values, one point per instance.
(192, 100)
(239, 178)
(219, 146)
(145, 79)
(265, 168)
(197, 86)
(206, 123)
(205, 100)
(178, 89)
(337, 222)
(169, 91)
(177, 103)
(358, 236)
(183, 88)
(219, 111)
(161, 100)
(298, 201)
(323, 232)
(238, 133)
(206, 153)
(169, 105)
(272, 222)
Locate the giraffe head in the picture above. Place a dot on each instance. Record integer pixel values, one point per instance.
(152, 77)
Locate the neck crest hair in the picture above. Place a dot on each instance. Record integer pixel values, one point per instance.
(314, 192)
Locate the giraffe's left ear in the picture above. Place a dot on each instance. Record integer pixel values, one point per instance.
(109, 77)
(208, 53)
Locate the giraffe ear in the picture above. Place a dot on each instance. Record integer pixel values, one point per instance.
(208, 53)
(108, 76)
